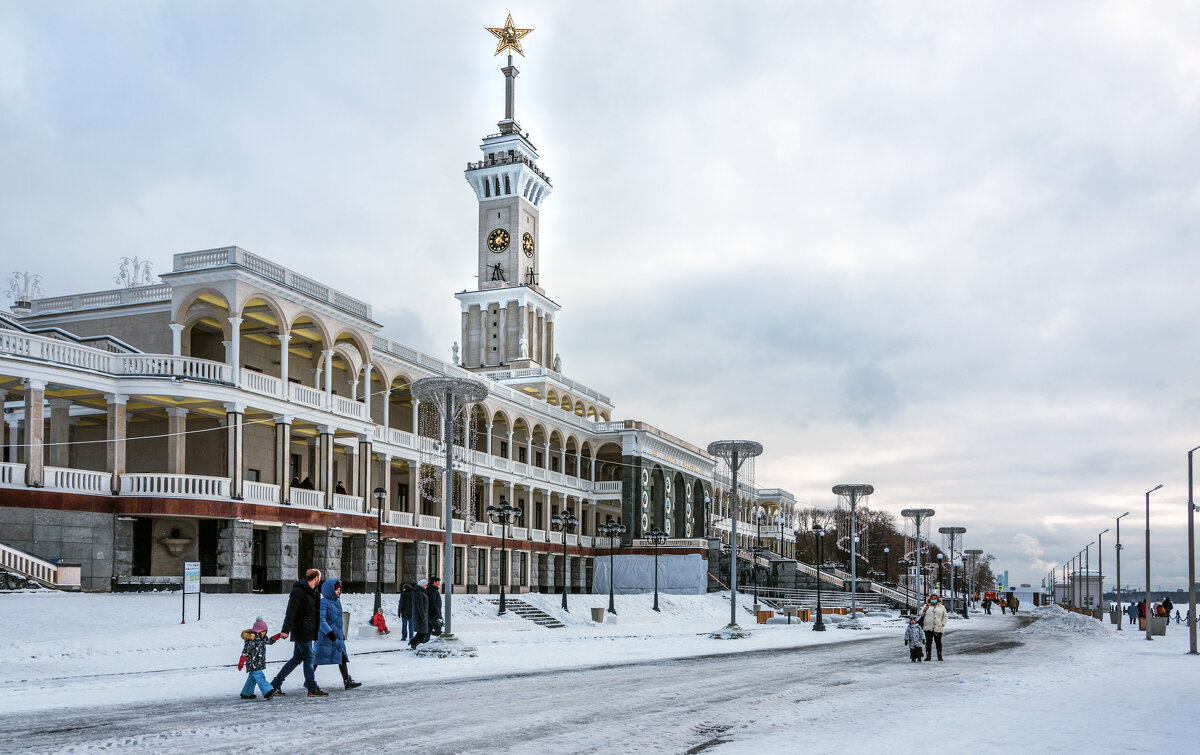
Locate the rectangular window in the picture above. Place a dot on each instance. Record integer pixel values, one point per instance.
(538, 460)
(554, 463)
(253, 475)
(294, 465)
(460, 578)
(524, 569)
(433, 561)
(481, 569)
(537, 518)
(504, 449)
(521, 454)
(402, 495)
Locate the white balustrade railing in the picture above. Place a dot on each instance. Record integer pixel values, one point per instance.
(260, 383)
(190, 486)
(350, 408)
(458, 525)
(260, 492)
(308, 499)
(402, 438)
(518, 533)
(608, 487)
(302, 394)
(350, 504)
(11, 473)
(519, 467)
(556, 477)
(572, 539)
(479, 528)
(429, 522)
(538, 536)
(55, 351)
(400, 518)
(77, 480)
(587, 541)
(59, 575)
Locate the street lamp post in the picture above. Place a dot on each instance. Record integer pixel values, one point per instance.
(1191, 562)
(379, 494)
(1087, 570)
(1100, 567)
(973, 554)
(759, 514)
(734, 453)
(939, 577)
(818, 533)
(611, 530)
(1148, 616)
(504, 514)
(1120, 623)
(564, 522)
(658, 537)
(887, 564)
(902, 565)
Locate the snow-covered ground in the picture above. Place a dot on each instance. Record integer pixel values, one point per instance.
(90, 672)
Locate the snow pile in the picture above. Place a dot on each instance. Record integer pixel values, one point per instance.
(1055, 620)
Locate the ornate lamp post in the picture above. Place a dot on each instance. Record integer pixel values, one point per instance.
(379, 494)
(973, 554)
(734, 453)
(760, 514)
(902, 565)
(917, 515)
(887, 564)
(1148, 601)
(1118, 549)
(504, 515)
(853, 494)
(611, 530)
(658, 537)
(939, 569)
(819, 532)
(564, 522)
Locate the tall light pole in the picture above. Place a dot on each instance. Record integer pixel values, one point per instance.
(853, 493)
(1087, 568)
(734, 453)
(504, 514)
(887, 564)
(953, 533)
(760, 513)
(973, 554)
(1100, 568)
(1191, 562)
(1148, 616)
(658, 537)
(564, 522)
(917, 515)
(379, 494)
(902, 564)
(1120, 623)
(819, 534)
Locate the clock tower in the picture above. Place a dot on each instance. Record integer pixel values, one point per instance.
(508, 321)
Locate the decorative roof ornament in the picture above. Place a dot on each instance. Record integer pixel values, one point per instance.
(23, 288)
(509, 36)
(134, 273)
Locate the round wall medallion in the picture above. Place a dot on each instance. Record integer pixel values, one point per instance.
(645, 522)
(645, 476)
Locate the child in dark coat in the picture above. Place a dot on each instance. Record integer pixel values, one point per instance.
(914, 638)
(254, 660)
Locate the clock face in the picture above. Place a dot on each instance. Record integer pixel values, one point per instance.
(498, 240)
(527, 245)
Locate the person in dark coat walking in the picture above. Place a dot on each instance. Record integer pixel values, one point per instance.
(435, 606)
(405, 611)
(1132, 611)
(420, 615)
(300, 625)
(331, 644)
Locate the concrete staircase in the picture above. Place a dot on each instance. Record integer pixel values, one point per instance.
(528, 612)
(23, 566)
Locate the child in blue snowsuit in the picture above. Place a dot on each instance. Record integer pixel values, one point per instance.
(254, 659)
(915, 639)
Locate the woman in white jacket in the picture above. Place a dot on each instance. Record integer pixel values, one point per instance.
(933, 621)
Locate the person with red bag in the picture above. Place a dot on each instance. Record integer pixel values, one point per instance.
(254, 660)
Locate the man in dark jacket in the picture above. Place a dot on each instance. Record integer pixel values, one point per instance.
(404, 610)
(301, 625)
(435, 606)
(420, 615)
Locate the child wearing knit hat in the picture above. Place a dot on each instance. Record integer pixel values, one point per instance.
(254, 659)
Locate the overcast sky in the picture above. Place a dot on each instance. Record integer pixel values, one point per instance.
(950, 251)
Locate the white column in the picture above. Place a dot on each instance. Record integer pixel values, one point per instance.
(284, 351)
(509, 446)
(235, 348)
(387, 409)
(177, 439)
(416, 426)
(176, 338)
(328, 367)
(367, 387)
(385, 482)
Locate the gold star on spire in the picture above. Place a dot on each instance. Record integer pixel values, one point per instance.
(509, 36)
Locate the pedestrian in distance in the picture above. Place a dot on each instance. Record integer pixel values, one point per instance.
(1131, 611)
(379, 623)
(405, 611)
(987, 606)
(1168, 605)
(1013, 603)
(254, 659)
(914, 638)
(1003, 605)
(340, 489)
(307, 484)
(300, 624)
(435, 606)
(331, 645)
(420, 615)
(933, 621)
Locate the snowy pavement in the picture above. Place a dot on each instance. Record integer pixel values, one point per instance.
(649, 683)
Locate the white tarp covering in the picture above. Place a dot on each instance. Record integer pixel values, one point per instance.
(680, 574)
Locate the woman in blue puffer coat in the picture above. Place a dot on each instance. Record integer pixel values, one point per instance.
(331, 644)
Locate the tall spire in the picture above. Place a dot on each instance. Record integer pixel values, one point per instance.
(509, 37)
